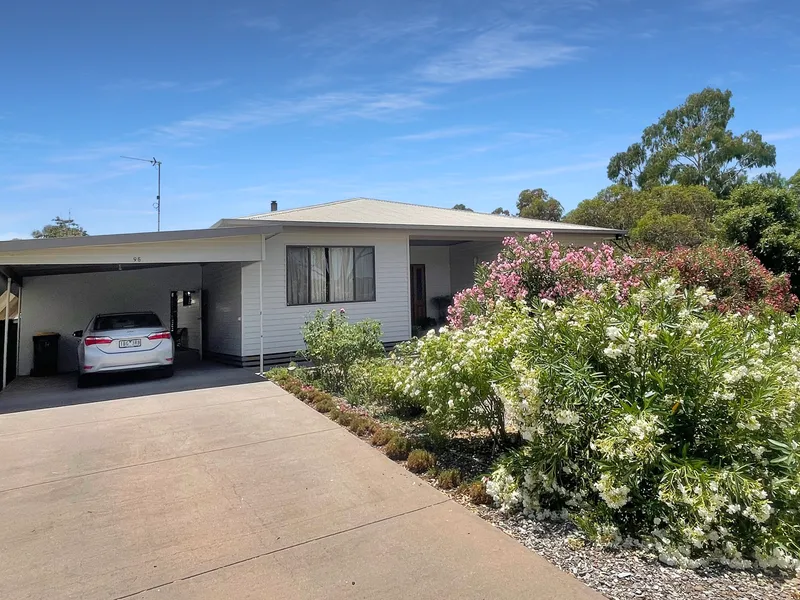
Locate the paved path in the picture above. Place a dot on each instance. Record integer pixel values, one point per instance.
(235, 492)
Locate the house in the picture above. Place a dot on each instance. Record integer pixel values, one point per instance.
(243, 288)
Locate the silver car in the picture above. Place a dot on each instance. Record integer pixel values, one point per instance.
(124, 342)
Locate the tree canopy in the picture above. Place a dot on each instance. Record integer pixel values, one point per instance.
(692, 145)
(462, 207)
(766, 220)
(663, 217)
(61, 228)
(538, 204)
(501, 211)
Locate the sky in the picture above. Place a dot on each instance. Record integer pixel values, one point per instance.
(433, 102)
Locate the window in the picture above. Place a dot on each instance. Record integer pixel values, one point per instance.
(322, 274)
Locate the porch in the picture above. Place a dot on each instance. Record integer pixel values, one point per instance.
(440, 268)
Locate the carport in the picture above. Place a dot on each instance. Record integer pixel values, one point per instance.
(60, 284)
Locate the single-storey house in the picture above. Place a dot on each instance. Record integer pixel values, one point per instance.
(241, 290)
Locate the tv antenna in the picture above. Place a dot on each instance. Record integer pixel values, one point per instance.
(157, 164)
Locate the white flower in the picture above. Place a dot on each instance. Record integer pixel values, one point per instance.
(613, 351)
(567, 417)
(548, 302)
(613, 332)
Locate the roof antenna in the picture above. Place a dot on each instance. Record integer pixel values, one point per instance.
(157, 164)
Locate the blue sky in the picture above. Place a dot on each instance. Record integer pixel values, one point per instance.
(435, 102)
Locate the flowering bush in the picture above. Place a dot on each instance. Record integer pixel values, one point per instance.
(334, 345)
(452, 373)
(537, 267)
(739, 280)
(657, 419)
(376, 382)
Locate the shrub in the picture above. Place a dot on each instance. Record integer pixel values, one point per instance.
(659, 419)
(738, 279)
(361, 425)
(325, 405)
(476, 492)
(376, 382)
(449, 479)
(397, 448)
(345, 418)
(278, 375)
(381, 436)
(453, 373)
(537, 267)
(420, 461)
(334, 345)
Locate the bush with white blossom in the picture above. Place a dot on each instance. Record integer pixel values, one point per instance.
(653, 419)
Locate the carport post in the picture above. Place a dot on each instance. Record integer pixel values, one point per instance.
(261, 306)
(5, 332)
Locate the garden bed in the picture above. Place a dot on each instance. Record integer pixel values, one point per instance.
(625, 573)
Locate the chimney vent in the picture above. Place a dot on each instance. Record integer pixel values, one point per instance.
(274, 206)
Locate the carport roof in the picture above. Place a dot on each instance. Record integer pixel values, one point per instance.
(133, 238)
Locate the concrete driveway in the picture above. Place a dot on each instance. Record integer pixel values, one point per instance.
(236, 491)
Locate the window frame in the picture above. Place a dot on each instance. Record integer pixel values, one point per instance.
(327, 247)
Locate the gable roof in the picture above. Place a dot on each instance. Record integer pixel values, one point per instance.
(369, 212)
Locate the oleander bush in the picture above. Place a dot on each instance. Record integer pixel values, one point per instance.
(656, 419)
(334, 345)
(375, 382)
(538, 267)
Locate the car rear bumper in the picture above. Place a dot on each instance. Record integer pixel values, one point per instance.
(96, 361)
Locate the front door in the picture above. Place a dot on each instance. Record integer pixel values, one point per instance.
(419, 310)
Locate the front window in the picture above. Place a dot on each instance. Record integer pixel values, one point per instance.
(329, 274)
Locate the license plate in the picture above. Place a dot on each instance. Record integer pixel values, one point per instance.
(130, 343)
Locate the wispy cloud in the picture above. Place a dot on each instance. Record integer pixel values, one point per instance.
(156, 85)
(785, 134)
(439, 134)
(329, 106)
(497, 54)
(558, 170)
(60, 181)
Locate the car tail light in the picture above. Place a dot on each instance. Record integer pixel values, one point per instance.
(159, 335)
(94, 340)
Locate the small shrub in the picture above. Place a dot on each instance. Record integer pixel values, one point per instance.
(325, 405)
(476, 492)
(334, 413)
(345, 418)
(420, 461)
(397, 448)
(381, 436)
(279, 375)
(334, 345)
(362, 425)
(449, 479)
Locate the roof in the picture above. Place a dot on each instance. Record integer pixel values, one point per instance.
(369, 212)
(132, 238)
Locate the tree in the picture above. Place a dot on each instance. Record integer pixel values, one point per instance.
(766, 220)
(63, 228)
(771, 179)
(664, 217)
(462, 207)
(501, 211)
(692, 145)
(538, 204)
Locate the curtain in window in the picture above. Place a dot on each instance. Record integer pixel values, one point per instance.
(319, 275)
(297, 275)
(341, 274)
(365, 274)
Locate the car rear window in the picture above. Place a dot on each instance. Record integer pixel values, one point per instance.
(126, 321)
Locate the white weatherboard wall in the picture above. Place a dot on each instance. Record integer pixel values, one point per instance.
(222, 295)
(283, 324)
(65, 303)
(437, 272)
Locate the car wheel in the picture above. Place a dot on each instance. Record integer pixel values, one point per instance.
(83, 381)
